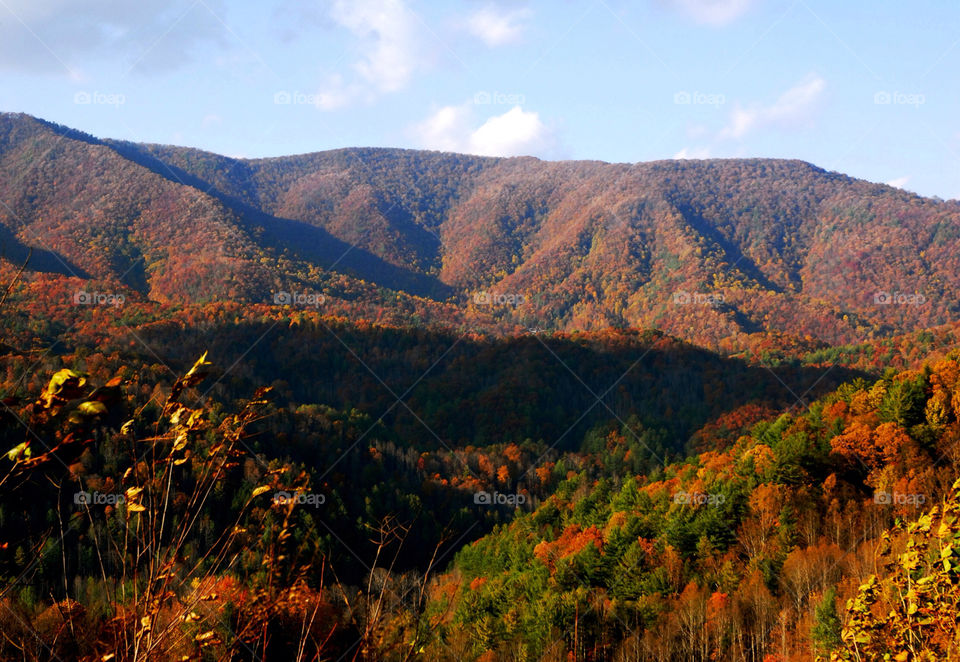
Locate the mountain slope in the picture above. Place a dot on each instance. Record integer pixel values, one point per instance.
(730, 554)
(708, 250)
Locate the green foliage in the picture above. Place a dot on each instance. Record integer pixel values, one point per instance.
(826, 623)
(904, 402)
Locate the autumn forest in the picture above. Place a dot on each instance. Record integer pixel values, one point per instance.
(383, 404)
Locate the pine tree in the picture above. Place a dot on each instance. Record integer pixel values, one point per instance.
(826, 622)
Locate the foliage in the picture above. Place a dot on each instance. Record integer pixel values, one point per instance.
(910, 611)
(737, 553)
(781, 248)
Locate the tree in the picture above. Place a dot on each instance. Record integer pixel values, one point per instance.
(826, 623)
(910, 613)
(905, 402)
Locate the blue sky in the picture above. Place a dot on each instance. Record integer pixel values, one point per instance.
(867, 88)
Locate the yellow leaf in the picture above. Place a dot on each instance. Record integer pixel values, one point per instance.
(92, 408)
(63, 380)
(135, 508)
(181, 442)
(196, 374)
(20, 451)
(206, 635)
(201, 362)
(260, 490)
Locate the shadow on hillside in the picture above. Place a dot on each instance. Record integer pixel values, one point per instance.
(732, 251)
(41, 259)
(298, 239)
(479, 392)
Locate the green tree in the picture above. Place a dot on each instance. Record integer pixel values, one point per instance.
(826, 622)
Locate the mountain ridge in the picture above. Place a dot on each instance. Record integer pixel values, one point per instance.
(777, 245)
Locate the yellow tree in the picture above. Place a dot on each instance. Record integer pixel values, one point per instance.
(913, 612)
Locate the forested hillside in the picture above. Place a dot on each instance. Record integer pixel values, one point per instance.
(378, 404)
(610, 545)
(750, 552)
(711, 251)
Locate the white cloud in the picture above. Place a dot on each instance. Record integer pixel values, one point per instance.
(712, 12)
(792, 107)
(389, 39)
(693, 153)
(496, 27)
(335, 93)
(514, 133)
(899, 182)
(447, 130)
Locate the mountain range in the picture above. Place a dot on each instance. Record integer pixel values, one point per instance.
(391, 405)
(711, 250)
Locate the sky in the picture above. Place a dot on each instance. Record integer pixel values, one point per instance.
(870, 89)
